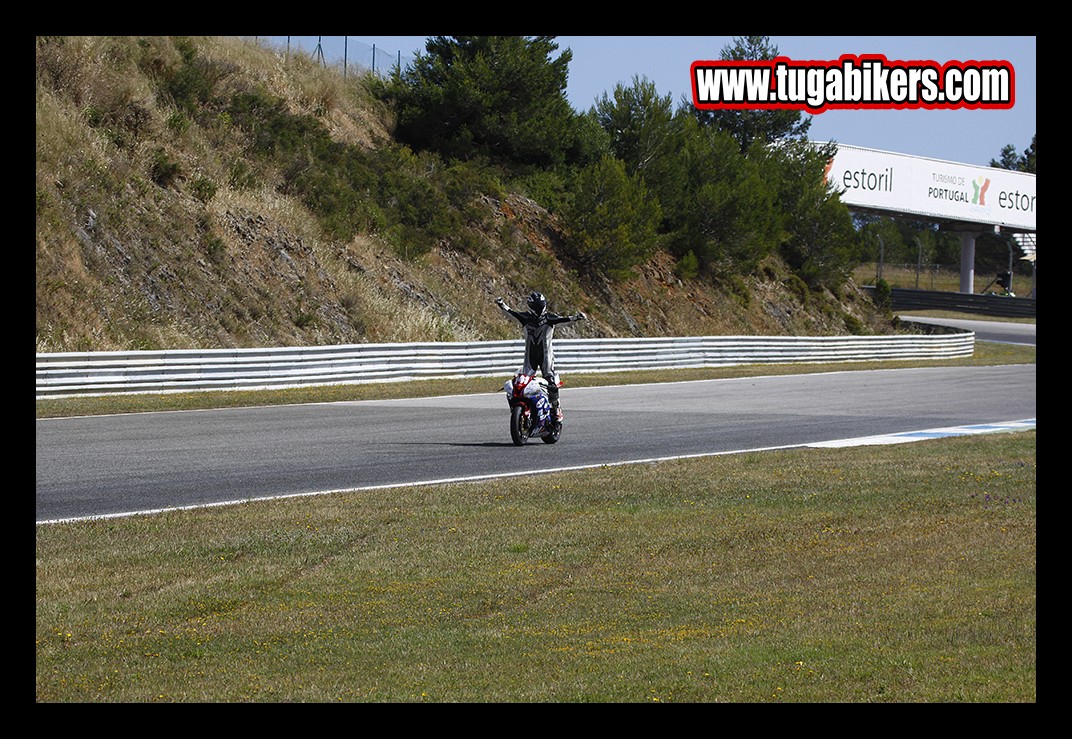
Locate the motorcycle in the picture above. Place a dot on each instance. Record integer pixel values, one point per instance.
(530, 410)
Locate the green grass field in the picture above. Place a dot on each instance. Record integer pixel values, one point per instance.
(903, 573)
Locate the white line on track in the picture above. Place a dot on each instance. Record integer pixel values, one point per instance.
(901, 438)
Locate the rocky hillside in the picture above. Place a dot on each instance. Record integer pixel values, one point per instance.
(154, 231)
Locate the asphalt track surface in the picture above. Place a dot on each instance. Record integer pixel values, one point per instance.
(1005, 332)
(123, 464)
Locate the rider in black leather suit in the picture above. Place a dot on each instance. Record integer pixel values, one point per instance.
(539, 331)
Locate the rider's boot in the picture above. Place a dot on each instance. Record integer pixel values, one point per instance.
(556, 408)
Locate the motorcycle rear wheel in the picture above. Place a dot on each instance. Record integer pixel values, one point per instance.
(554, 434)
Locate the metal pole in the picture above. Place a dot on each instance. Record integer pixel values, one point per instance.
(881, 256)
(345, 39)
(919, 259)
(1010, 243)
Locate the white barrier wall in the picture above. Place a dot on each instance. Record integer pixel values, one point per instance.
(104, 373)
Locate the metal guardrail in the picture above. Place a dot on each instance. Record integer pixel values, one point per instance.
(107, 373)
(990, 305)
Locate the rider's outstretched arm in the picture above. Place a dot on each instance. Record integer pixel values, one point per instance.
(516, 314)
(581, 316)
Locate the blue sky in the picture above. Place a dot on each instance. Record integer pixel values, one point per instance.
(602, 62)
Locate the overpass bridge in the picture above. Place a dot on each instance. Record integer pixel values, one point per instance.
(966, 199)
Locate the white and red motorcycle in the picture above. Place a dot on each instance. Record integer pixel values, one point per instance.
(530, 410)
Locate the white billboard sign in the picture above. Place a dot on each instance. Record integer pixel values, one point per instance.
(900, 183)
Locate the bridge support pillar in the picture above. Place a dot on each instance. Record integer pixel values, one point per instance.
(967, 262)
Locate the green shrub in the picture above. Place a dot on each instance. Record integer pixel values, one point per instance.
(162, 170)
(240, 176)
(94, 116)
(546, 187)
(688, 267)
(215, 248)
(191, 85)
(798, 288)
(178, 123)
(203, 189)
(465, 181)
(883, 294)
(738, 288)
(854, 325)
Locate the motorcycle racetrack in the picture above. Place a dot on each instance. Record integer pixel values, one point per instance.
(125, 464)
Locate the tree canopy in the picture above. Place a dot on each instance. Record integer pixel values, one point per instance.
(612, 219)
(1010, 159)
(497, 97)
(749, 126)
(720, 190)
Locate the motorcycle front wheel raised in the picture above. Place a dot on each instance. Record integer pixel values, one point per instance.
(519, 425)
